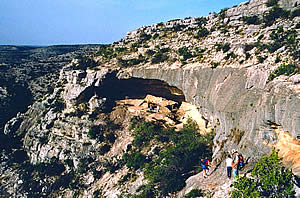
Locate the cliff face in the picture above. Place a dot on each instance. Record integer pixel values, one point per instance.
(28, 73)
(241, 106)
(236, 99)
(238, 69)
(238, 102)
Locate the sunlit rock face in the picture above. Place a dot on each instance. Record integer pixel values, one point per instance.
(234, 99)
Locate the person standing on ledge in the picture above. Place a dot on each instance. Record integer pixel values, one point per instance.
(204, 165)
(235, 164)
(229, 166)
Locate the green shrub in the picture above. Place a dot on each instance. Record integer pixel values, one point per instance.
(144, 37)
(135, 160)
(261, 59)
(230, 55)
(59, 105)
(112, 165)
(134, 121)
(146, 191)
(97, 194)
(222, 13)
(131, 62)
(164, 50)
(271, 3)
(268, 179)
(168, 178)
(155, 36)
(150, 52)
(96, 132)
(65, 181)
(159, 57)
(104, 149)
(53, 168)
(288, 38)
(274, 13)
(82, 166)
(260, 47)
(171, 165)
(251, 20)
(260, 37)
(69, 162)
(144, 132)
(98, 173)
(202, 32)
(201, 21)
(106, 51)
(224, 47)
(283, 69)
(277, 60)
(86, 61)
(224, 30)
(134, 46)
(248, 55)
(179, 158)
(185, 53)
(110, 137)
(110, 125)
(194, 193)
(215, 65)
(248, 47)
(198, 52)
(121, 49)
(178, 27)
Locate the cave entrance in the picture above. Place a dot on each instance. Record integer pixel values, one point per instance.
(115, 89)
(137, 92)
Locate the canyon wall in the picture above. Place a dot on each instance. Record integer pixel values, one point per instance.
(235, 100)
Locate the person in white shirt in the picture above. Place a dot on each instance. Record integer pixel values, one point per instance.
(229, 166)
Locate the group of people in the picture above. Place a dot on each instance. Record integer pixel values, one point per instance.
(234, 163)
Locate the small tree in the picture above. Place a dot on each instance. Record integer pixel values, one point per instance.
(202, 32)
(269, 179)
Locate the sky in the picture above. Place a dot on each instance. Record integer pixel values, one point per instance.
(52, 22)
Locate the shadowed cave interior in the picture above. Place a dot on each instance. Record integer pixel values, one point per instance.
(114, 89)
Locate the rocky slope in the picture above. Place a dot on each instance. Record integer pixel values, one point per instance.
(239, 69)
(28, 72)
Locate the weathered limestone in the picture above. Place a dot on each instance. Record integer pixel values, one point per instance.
(236, 99)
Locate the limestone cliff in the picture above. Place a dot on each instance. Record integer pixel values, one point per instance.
(239, 68)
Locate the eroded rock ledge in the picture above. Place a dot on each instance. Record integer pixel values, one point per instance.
(236, 99)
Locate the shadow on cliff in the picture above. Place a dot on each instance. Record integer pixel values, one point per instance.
(114, 89)
(17, 100)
